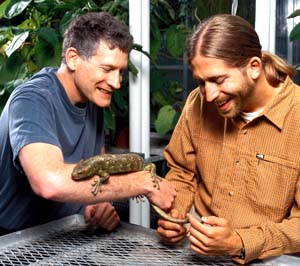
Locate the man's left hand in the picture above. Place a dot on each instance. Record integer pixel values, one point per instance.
(103, 215)
(212, 236)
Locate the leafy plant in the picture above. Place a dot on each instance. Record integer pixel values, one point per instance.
(31, 38)
(295, 33)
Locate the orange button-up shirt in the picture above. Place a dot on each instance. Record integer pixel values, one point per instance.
(247, 173)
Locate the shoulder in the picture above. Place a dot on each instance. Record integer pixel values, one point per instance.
(194, 99)
(196, 104)
(41, 86)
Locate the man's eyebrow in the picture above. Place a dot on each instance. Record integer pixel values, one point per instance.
(211, 78)
(111, 66)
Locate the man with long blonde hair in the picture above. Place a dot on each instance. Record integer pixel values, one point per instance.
(234, 155)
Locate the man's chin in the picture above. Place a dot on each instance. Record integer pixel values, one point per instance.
(103, 104)
(229, 115)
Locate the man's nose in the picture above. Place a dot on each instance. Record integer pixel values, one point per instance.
(211, 92)
(114, 79)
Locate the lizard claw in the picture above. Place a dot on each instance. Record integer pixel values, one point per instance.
(156, 180)
(139, 198)
(96, 187)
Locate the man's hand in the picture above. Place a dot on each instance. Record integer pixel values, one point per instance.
(162, 197)
(212, 236)
(171, 233)
(103, 215)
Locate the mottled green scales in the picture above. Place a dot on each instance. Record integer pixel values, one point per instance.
(106, 164)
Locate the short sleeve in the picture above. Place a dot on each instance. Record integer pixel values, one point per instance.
(31, 120)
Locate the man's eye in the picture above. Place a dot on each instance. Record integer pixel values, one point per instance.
(220, 81)
(105, 70)
(201, 83)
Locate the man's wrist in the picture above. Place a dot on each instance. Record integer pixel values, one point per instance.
(241, 251)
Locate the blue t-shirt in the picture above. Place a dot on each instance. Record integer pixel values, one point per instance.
(40, 111)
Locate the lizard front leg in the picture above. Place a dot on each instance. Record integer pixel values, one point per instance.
(155, 178)
(98, 183)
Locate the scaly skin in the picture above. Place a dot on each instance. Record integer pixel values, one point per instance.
(106, 164)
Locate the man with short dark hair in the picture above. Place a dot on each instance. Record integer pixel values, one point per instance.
(56, 119)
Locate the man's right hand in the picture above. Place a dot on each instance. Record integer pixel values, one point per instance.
(163, 196)
(171, 233)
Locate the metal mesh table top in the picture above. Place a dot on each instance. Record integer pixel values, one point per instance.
(70, 241)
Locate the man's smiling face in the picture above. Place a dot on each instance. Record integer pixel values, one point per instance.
(228, 87)
(97, 77)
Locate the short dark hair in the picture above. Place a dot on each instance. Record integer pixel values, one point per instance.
(87, 31)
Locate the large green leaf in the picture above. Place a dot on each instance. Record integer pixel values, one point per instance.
(46, 54)
(295, 33)
(296, 13)
(155, 41)
(164, 121)
(16, 7)
(109, 118)
(176, 38)
(16, 43)
(11, 68)
(66, 19)
(3, 8)
(49, 35)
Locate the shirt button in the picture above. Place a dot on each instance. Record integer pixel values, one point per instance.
(237, 162)
(230, 193)
(245, 132)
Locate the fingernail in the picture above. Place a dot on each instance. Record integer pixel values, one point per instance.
(203, 219)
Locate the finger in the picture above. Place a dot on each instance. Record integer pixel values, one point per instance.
(89, 213)
(173, 240)
(198, 249)
(203, 245)
(171, 233)
(112, 222)
(107, 218)
(169, 236)
(214, 221)
(102, 213)
(167, 225)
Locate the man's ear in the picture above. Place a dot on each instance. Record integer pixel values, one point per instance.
(72, 58)
(254, 67)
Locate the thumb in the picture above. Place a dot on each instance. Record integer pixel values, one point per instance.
(214, 221)
(174, 213)
(89, 212)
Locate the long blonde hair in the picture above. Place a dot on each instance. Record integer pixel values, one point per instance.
(234, 40)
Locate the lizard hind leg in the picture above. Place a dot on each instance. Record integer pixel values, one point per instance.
(155, 178)
(139, 198)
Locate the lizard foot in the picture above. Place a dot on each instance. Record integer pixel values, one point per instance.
(139, 198)
(96, 187)
(155, 178)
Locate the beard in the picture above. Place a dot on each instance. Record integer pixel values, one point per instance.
(239, 100)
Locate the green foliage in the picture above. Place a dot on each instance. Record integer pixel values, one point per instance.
(165, 120)
(31, 36)
(295, 33)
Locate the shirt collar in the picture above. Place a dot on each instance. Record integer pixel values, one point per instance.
(280, 105)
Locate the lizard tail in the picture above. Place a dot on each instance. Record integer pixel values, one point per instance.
(167, 217)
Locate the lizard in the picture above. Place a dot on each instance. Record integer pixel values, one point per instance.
(106, 164)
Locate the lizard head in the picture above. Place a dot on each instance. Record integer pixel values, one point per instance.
(82, 170)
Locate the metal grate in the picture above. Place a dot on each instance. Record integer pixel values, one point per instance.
(79, 244)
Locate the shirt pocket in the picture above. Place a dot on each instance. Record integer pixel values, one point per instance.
(272, 185)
